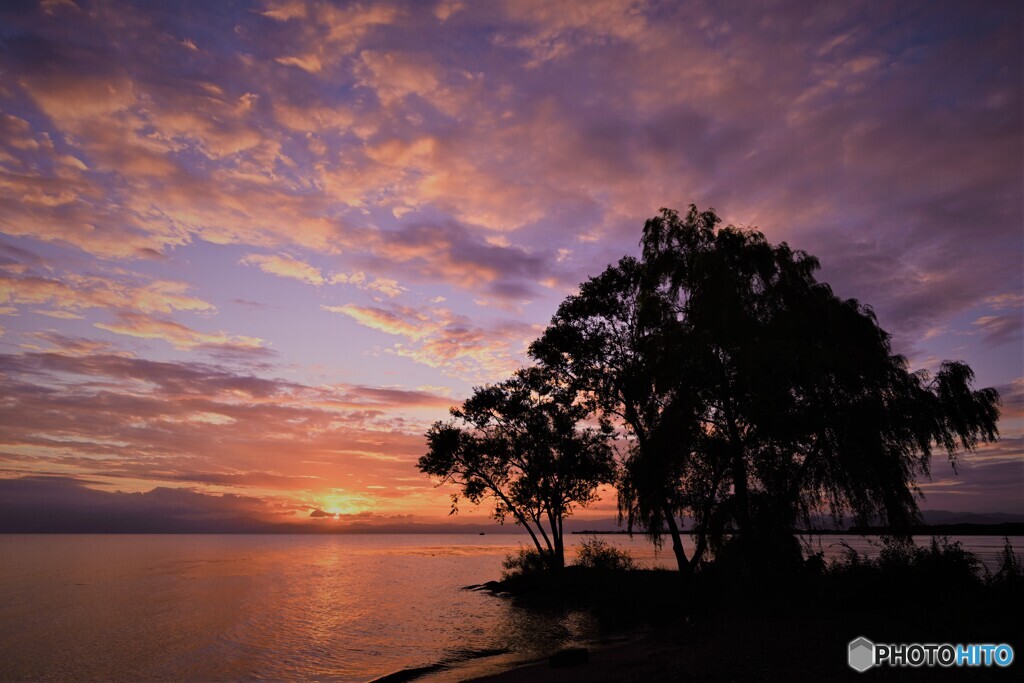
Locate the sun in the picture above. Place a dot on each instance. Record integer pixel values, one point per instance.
(340, 504)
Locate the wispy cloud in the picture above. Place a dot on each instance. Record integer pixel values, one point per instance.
(283, 265)
(439, 338)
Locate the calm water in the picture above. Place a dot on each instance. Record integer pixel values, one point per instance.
(344, 608)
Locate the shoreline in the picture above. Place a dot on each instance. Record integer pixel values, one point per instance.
(497, 665)
(604, 663)
(764, 647)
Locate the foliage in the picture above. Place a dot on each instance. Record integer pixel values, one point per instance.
(595, 553)
(521, 445)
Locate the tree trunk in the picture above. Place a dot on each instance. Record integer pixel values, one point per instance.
(739, 484)
(677, 540)
(702, 544)
(517, 514)
(558, 550)
(560, 544)
(536, 541)
(739, 477)
(737, 465)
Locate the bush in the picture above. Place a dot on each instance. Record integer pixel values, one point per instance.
(949, 561)
(1010, 572)
(942, 568)
(597, 554)
(525, 562)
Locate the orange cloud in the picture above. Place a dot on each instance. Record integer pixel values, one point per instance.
(76, 293)
(394, 75)
(287, 266)
(178, 335)
(334, 30)
(284, 265)
(401, 320)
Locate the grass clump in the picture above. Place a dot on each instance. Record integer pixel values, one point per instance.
(525, 562)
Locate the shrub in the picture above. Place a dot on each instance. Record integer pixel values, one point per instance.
(942, 566)
(948, 561)
(1011, 572)
(524, 562)
(597, 554)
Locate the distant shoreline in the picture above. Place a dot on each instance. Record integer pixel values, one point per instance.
(1000, 529)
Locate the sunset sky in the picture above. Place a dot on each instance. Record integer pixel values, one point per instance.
(257, 248)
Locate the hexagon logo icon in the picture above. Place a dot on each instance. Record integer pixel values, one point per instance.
(861, 654)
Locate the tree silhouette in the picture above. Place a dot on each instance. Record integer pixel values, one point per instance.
(754, 397)
(616, 343)
(520, 444)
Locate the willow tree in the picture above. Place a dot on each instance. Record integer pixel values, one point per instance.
(523, 445)
(778, 399)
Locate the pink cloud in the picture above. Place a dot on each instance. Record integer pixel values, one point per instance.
(174, 333)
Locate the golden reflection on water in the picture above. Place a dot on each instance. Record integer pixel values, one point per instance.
(345, 608)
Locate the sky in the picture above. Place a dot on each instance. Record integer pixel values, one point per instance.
(250, 251)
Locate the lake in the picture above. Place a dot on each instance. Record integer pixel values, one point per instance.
(283, 607)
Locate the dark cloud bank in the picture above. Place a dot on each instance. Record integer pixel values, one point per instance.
(65, 505)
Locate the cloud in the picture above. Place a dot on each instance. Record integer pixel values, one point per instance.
(394, 75)
(73, 345)
(174, 333)
(1000, 329)
(400, 320)
(987, 481)
(334, 30)
(55, 504)
(74, 293)
(381, 285)
(452, 254)
(114, 418)
(64, 504)
(446, 8)
(284, 265)
(439, 338)
(1012, 396)
(386, 286)
(555, 29)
